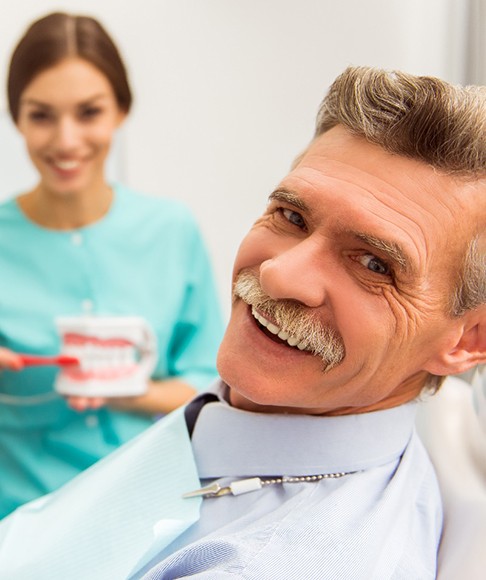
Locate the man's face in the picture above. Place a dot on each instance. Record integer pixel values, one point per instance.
(366, 246)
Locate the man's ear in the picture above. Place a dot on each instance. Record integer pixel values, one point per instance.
(468, 349)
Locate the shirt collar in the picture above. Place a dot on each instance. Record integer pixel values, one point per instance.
(231, 442)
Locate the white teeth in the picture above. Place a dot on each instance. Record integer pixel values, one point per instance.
(261, 320)
(291, 340)
(66, 165)
(100, 358)
(273, 329)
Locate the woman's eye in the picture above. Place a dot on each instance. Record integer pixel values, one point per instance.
(293, 217)
(38, 116)
(89, 112)
(375, 264)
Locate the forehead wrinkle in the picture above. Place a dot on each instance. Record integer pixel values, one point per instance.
(382, 190)
(385, 197)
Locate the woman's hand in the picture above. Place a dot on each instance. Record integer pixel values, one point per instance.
(161, 397)
(86, 403)
(10, 360)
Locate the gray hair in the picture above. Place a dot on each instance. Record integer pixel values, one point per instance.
(420, 117)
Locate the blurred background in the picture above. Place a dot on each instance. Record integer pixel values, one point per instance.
(226, 91)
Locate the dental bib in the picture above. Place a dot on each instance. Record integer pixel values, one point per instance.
(111, 520)
(117, 355)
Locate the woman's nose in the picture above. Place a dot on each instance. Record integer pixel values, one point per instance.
(298, 273)
(67, 134)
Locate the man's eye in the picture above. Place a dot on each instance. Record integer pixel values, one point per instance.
(375, 264)
(293, 217)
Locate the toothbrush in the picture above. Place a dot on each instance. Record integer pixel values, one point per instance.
(59, 360)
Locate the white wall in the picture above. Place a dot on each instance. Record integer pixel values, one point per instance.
(227, 90)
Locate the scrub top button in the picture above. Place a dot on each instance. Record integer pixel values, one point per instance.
(87, 306)
(91, 421)
(76, 239)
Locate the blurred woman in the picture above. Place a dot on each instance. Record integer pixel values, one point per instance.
(76, 244)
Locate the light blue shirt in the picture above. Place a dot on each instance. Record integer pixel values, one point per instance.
(382, 521)
(126, 517)
(145, 257)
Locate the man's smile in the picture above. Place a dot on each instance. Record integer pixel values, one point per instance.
(274, 332)
(288, 322)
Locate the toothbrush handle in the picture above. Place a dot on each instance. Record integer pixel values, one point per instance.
(37, 360)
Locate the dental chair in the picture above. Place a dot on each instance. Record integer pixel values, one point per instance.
(452, 425)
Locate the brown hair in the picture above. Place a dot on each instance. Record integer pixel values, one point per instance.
(423, 118)
(56, 36)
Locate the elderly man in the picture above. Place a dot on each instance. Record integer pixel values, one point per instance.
(360, 287)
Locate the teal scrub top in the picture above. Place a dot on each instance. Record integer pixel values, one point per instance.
(145, 258)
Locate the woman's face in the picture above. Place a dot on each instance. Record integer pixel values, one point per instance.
(68, 115)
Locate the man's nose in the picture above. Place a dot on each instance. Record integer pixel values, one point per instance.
(297, 273)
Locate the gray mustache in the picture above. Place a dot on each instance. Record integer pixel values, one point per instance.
(294, 318)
